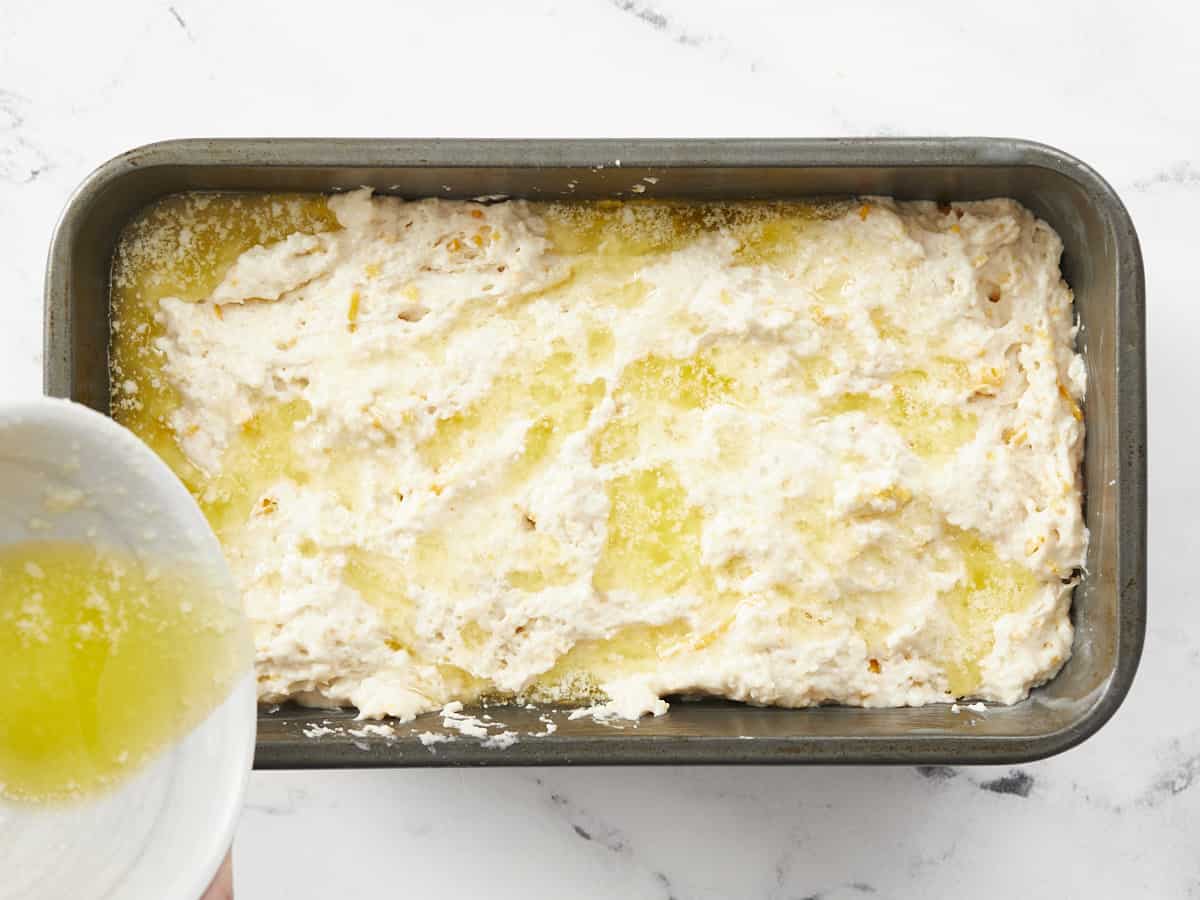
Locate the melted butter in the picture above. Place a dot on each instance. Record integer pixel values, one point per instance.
(990, 589)
(383, 582)
(541, 566)
(260, 452)
(885, 326)
(181, 246)
(653, 542)
(621, 230)
(549, 393)
(549, 396)
(600, 344)
(773, 241)
(933, 430)
(767, 232)
(656, 393)
(104, 662)
(652, 548)
(578, 674)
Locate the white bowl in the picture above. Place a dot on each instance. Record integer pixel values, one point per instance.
(162, 834)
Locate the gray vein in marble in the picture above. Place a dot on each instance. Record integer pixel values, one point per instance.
(1016, 783)
(937, 773)
(1180, 776)
(1184, 173)
(665, 883)
(1092, 800)
(789, 869)
(853, 887)
(682, 35)
(182, 24)
(296, 798)
(609, 838)
(653, 17)
(659, 22)
(21, 161)
(925, 862)
(588, 828)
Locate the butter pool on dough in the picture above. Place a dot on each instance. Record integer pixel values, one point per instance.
(786, 453)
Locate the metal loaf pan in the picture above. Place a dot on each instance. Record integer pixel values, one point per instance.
(1102, 262)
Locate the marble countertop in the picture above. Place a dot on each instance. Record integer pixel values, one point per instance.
(1114, 84)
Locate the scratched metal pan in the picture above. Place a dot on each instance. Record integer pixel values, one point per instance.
(1101, 261)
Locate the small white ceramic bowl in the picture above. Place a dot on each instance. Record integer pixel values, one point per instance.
(162, 834)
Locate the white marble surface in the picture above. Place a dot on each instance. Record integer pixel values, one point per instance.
(1112, 83)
